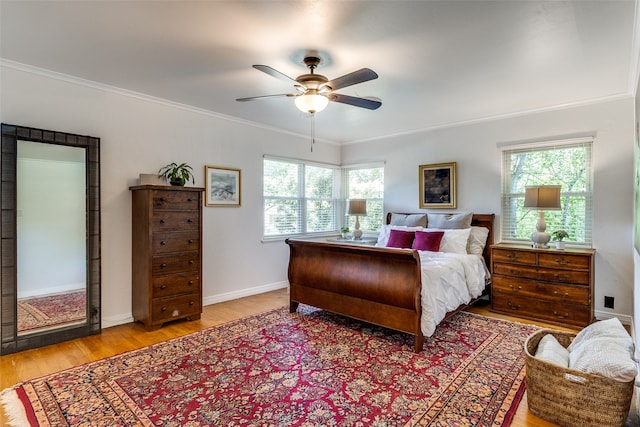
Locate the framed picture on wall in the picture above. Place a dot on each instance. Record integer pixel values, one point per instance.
(223, 186)
(437, 185)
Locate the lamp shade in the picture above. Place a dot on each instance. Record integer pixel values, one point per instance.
(357, 207)
(311, 103)
(542, 197)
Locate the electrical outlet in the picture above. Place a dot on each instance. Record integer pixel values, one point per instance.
(608, 302)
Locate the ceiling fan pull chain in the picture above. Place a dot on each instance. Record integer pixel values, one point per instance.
(313, 130)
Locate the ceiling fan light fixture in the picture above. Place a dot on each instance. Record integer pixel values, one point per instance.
(311, 103)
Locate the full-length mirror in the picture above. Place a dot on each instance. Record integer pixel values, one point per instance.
(50, 237)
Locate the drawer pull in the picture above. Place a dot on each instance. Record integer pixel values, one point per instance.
(189, 220)
(515, 272)
(191, 302)
(563, 261)
(190, 241)
(513, 307)
(566, 294)
(562, 277)
(163, 243)
(190, 282)
(189, 199)
(516, 289)
(191, 262)
(163, 287)
(162, 199)
(162, 221)
(560, 316)
(513, 255)
(163, 309)
(163, 265)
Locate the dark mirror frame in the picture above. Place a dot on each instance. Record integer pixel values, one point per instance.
(11, 342)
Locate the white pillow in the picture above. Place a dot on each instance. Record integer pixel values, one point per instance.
(550, 350)
(604, 356)
(449, 221)
(610, 328)
(477, 240)
(383, 237)
(453, 241)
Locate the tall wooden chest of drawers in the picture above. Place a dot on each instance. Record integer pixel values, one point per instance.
(554, 286)
(166, 254)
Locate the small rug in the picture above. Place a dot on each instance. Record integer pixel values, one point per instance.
(51, 310)
(310, 368)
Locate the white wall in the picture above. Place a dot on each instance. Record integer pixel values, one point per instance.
(474, 148)
(139, 135)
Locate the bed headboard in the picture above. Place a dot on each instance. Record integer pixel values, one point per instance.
(479, 220)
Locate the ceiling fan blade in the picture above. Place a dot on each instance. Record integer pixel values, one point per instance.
(251, 98)
(352, 100)
(362, 75)
(275, 73)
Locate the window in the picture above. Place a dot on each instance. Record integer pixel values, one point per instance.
(305, 198)
(299, 198)
(564, 163)
(365, 182)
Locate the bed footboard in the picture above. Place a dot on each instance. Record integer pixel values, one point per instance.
(377, 285)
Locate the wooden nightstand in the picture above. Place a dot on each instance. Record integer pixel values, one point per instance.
(550, 285)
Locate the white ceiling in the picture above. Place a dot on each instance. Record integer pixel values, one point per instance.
(439, 62)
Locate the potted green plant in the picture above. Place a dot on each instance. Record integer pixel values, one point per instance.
(345, 232)
(177, 174)
(558, 237)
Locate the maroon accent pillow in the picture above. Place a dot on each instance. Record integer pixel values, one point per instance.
(400, 239)
(428, 240)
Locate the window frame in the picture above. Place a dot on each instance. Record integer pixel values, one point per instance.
(339, 198)
(510, 199)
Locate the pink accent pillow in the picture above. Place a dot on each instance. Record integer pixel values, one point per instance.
(400, 239)
(428, 240)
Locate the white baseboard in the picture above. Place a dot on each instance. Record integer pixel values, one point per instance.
(244, 293)
(60, 289)
(124, 318)
(625, 319)
(121, 319)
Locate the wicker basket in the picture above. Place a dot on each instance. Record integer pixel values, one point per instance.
(569, 397)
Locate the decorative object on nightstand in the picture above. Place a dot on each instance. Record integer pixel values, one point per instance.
(543, 198)
(558, 237)
(344, 232)
(543, 284)
(357, 207)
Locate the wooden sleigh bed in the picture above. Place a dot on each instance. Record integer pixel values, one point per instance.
(375, 284)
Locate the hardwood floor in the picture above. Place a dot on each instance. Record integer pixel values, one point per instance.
(33, 363)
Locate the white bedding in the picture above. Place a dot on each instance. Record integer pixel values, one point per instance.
(448, 280)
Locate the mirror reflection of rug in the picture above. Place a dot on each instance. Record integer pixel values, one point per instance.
(51, 310)
(302, 369)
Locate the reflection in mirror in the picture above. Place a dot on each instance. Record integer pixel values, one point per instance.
(50, 229)
(51, 236)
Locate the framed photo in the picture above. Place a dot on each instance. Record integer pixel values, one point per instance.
(222, 186)
(438, 185)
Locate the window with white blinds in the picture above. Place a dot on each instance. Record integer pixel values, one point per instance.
(299, 197)
(303, 198)
(565, 163)
(365, 182)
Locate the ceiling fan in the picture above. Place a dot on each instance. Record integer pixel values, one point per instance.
(314, 91)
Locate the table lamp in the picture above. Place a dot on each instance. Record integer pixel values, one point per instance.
(357, 207)
(543, 198)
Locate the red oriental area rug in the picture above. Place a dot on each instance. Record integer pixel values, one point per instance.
(310, 368)
(51, 310)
